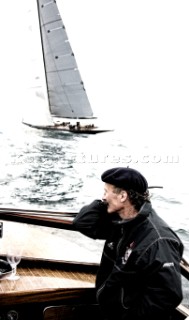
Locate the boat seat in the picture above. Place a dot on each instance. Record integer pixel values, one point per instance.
(72, 312)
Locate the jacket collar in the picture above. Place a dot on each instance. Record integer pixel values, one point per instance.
(142, 215)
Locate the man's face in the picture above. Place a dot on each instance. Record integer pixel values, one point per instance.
(113, 198)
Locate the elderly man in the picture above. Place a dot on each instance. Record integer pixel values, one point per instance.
(139, 274)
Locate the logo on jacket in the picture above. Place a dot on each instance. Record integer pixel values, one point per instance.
(128, 252)
(111, 245)
(168, 264)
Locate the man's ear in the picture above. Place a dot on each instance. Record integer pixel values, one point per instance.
(123, 195)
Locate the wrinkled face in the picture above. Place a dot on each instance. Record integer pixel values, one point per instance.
(114, 198)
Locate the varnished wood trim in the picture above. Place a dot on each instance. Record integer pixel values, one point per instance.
(60, 220)
(44, 295)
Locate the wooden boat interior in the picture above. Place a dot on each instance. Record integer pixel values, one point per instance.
(57, 273)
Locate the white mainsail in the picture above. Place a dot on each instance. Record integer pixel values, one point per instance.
(66, 93)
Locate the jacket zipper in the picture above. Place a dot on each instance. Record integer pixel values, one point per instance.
(103, 285)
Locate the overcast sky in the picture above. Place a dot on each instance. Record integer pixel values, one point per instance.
(133, 57)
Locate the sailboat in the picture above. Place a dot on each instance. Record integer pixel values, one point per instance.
(62, 88)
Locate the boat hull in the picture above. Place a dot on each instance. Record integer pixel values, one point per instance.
(73, 129)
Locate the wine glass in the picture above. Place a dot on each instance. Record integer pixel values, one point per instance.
(13, 258)
(17, 235)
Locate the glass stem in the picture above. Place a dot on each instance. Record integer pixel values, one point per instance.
(14, 270)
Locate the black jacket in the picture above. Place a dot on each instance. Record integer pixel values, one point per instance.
(139, 274)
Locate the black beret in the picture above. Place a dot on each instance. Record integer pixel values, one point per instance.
(125, 178)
